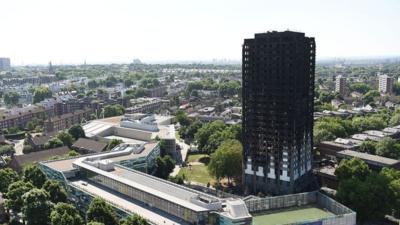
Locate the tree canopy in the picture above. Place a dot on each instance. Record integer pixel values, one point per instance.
(11, 98)
(56, 192)
(113, 110)
(7, 177)
(65, 214)
(41, 93)
(164, 166)
(34, 175)
(66, 138)
(36, 207)
(388, 147)
(53, 143)
(226, 161)
(100, 211)
(360, 87)
(372, 195)
(77, 132)
(134, 220)
(353, 168)
(14, 194)
(113, 143)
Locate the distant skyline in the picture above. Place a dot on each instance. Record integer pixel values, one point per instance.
(117, 31)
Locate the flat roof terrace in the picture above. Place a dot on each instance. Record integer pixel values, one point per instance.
(126, 204)
(149, 184)
(291, 215)
(65, 165)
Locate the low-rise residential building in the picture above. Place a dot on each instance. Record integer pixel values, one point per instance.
(157, 91)
(37, 142)
(19, 117)
(145, 105)
(88, 146)
(330, 148)
(374, 162)
(19, 161)
(65, 121)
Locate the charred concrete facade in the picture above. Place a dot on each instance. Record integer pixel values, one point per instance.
(278, 91)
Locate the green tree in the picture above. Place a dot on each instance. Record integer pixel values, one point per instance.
(203, 134)
(56, 192)
(325, 97)
(394, 187)
(95, 223)
(215, 139)
(7, 177)
(135, 93)
(376, 122)
(169, 164)
(36, 207)
(227, 160)
(73, 153)
(65, 214)
(113, 143)
(93, 84)
(41, 93)
(7, 150)
(229, 88)
(321, 135)
(11, 98)
(164, 166)
(53, 143)
(396, 88)
(66, 138)
(353, 168)
(369, 198)
(100, 211)
(134, 220)
(34, 175)
(368, 147)
(189, 131)
(370, 96)
(360, 87)
(388, 147)
(14, 194)
(182, 118)
(77, 132)
(395, 120)
(113, 110)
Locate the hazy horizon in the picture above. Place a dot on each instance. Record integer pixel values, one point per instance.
(71, 32)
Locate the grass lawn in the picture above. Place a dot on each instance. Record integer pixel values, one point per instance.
(198, 173)
(177, 136)
(196, 157)
(292, 215)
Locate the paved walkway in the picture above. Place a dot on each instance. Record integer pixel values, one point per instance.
(184, 151)
(19, 146)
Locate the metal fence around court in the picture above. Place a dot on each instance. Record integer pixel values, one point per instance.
(342, 214)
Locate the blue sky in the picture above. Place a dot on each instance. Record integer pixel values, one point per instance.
(103, 31)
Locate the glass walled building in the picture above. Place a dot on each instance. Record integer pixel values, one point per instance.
(113, 177)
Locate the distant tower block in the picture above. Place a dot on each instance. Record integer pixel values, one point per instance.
(340, 85)
(5, 64)
(51, 69)
(385, 84)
